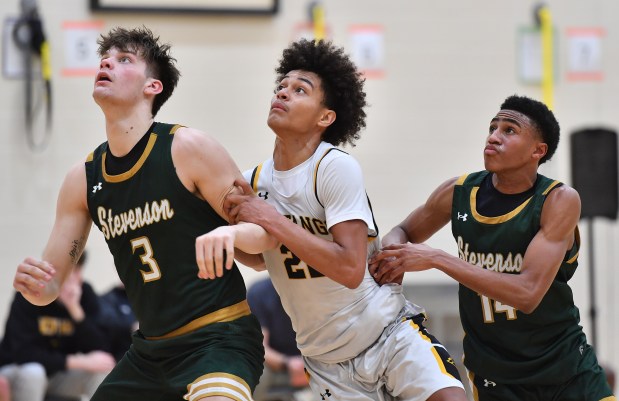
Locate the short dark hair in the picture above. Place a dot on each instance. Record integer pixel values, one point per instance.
(541, 116)
(342, 84)
(145, 44)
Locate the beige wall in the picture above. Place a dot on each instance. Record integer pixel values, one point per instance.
(448, 66)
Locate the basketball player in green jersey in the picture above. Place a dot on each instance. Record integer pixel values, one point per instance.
(518, 242)
(151, 189)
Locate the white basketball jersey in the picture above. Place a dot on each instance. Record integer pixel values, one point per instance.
(333, 323)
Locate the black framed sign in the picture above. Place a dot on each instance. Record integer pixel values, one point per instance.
(188, 6)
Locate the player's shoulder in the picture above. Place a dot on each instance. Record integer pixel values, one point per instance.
(562, 194)
(192, 142)
(470, 178)
(189, 137)
(329, 156)
(76, 170)
(448, 185)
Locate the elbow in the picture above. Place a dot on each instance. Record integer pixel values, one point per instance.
(528, 304)
(262, 244)
(528, 307)
(528, 295)
(353, 284)
(253, 261)
(353, 279)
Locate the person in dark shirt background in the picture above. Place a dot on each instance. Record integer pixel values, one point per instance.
(58, 349)
(5, 389)
(117, 319)
(284, 370)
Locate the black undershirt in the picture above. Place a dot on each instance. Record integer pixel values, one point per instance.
(492, 203)
(118, 165)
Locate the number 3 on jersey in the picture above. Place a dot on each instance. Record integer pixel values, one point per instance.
(489, 311)
(146, 256)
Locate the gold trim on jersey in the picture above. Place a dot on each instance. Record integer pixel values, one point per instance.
(90, 157)
(505, 217)
(573, 259)
(577, 244)
(461, 179)
(174, 128)
(254, 183)
(316, 173)
(133, 170)
(473, 386)
(226, 314)
(497, 219)
(550, 187)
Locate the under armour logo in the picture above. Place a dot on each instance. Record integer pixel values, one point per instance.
(451, 360)
(96, 188)
(265, 195)
(581, 349)
(463, 216)
(326, 394)
(488, 383)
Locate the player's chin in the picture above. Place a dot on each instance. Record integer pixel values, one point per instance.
(489, 164)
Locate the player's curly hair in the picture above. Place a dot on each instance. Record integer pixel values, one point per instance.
(342, 85)
(541, 116)
(145, 44)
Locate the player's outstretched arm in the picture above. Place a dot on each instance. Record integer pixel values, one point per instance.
(39, 280)
(522, 291)
(399, 252)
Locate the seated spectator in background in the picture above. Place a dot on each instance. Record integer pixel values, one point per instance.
(5, 389)
(117, 319)
(610, 376)
(56, 350)
(283, 364)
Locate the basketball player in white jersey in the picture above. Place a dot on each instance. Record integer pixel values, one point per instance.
(360, 341)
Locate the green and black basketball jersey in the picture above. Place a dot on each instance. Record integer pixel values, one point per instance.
(502, 343)
(150, 222)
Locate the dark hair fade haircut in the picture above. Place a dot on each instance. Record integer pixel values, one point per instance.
(541, 116)
(342, 85)
(142, 42)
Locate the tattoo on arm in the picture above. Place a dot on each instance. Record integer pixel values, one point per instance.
(77, 246)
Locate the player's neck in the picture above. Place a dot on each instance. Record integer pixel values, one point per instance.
(123, 134)
(289, 153)
(514, 183)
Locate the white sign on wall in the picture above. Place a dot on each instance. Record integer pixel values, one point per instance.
(585, 54)
(368, 50)
(80, 47)
(530, 55)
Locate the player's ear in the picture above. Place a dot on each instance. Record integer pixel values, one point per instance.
(540, 150)
(154, 86)
(327, 118)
